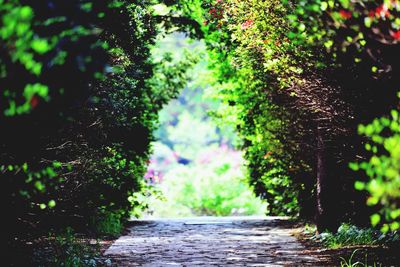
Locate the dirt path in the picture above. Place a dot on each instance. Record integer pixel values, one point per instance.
(232, 241)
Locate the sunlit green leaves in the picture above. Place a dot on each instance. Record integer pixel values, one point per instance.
(16, 31)
(51, 204)
(40, 46)
(31, 91)
(383, 169)
(28, 43)
(40, 186)
(359, 185)
(375, 219)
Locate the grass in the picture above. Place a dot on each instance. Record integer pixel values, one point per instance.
(349, 262)
(352, 246)
(350, 235)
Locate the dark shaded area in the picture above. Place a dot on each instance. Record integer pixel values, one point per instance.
(76, 155)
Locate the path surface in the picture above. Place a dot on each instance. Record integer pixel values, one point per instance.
(230, 241)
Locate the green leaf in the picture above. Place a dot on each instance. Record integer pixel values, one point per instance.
(328, 44)
(354, 166)
(394, 214)
(372, 201)
(40, 46)
(26, 12)
(394, 226)
(395, 114)
(367, 22)
(385, 228)
(51, 204)
(345, 3)
(359, 185)
(302, 27)
(324, 6)
(40, 186)
(375, 219)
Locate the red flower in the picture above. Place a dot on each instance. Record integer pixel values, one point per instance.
(34, 101)
(382, 11)
(345, 14)
(371, 13)
(395, 35)
(247, 24)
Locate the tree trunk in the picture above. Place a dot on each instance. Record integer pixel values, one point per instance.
(327, 218)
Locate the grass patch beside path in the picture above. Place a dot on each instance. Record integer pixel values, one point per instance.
(352, 246)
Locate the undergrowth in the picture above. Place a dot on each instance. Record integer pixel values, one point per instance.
(109, 224)
(350, 235)
(68, 249)
(351, 262)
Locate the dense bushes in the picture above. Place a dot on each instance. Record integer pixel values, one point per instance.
(297, 78)
(79, 102)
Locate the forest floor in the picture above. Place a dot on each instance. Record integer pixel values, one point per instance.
(209, 241)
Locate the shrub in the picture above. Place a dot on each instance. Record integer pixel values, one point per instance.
(109, 223)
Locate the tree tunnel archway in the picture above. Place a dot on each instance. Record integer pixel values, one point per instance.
(311, 87)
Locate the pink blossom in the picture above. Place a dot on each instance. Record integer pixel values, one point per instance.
(247, 24)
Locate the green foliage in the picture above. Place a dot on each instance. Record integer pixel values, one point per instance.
(382, 168)
(344, 26)
(69, 251)
(197, 172)
(109, 224)
(350, 235)
(242, 38)
(79, 103)
(81, 92)
(37, 45)
(295, 79)
(350, 262)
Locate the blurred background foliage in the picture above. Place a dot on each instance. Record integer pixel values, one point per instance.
(195, 166)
